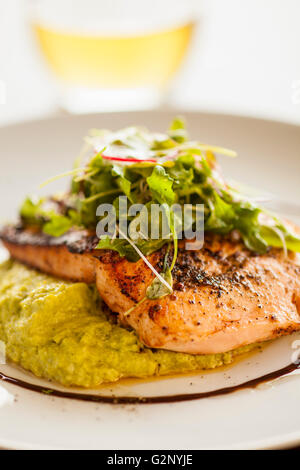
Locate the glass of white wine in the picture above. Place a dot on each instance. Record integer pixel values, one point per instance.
(113, 54)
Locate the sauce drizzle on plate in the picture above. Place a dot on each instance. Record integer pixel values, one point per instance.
(123, 400)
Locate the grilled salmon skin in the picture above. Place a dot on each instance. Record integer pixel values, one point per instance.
(224, 297)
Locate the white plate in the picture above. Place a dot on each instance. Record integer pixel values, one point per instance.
(253, 418)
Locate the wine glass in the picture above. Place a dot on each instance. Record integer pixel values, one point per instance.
(113, 55)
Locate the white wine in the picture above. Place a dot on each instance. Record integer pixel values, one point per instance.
(115, 61)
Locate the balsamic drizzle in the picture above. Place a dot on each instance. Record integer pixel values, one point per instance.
(115, 400)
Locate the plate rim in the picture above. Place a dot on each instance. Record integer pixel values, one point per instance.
(62, 115)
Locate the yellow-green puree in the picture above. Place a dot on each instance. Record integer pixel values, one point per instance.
(56, 329)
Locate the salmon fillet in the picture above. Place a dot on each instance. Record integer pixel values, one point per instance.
(225, 296)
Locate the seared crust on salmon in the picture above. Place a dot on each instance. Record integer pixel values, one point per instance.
(225, 296)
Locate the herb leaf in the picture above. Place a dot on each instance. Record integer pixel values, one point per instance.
(58, 225)
(160, 184)
(157, 289)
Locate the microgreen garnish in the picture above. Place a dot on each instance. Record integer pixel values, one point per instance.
(151, 168)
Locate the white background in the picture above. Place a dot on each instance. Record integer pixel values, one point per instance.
(245, 59)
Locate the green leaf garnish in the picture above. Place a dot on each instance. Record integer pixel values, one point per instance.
(157, 290)
(160, 185)
(58, 225)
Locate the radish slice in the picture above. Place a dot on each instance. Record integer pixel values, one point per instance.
(128, 160)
